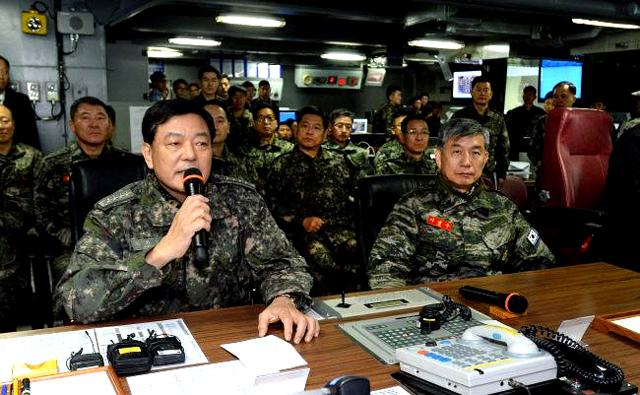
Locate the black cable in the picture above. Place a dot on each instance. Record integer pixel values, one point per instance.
(564, 350)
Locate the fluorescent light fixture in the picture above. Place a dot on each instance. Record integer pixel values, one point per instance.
(195, 41)
(343, 55)
(497, 47)
(163, 52)
(438, 44)
(604, 24)
(344, 44)
(247, 20)
(422, 59)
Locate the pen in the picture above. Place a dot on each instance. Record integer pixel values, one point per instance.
(26, 386)
(4, 389)
(15, 387)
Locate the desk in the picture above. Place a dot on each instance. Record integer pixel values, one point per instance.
(554, 295)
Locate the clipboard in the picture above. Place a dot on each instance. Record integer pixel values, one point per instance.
(97, 381)
(625, 323)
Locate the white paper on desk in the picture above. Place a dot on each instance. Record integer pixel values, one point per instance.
(266, 355)
(576, 327)
(220, 378)
(631, 323)
(397, 390)
(228, 378)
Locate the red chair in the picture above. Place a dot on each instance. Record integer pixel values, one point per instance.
(577, 146)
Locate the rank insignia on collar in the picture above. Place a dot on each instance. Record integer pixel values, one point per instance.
(439, 223)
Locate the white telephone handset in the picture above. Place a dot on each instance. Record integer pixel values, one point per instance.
(517, 344)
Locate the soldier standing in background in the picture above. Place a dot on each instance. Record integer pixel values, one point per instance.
(458, 228)
(498, 146)
(383, 117)
(309, 193)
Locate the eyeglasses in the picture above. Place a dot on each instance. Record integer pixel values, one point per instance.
(348, 126)
(416, 133)
(262, 119)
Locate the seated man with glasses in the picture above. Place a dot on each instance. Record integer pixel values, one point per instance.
(458, 228)
(265, 145)
(414, 158)
(309, 194)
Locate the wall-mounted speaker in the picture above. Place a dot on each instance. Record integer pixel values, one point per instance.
(76, 23)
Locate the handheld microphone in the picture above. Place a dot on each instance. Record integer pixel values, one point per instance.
(512, 302)
(193, 185)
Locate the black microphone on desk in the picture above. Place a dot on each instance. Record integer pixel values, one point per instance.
(193, 185)
(512, 302)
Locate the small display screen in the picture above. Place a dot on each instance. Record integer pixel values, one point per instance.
(386, 303)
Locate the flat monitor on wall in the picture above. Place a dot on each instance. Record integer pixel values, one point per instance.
(462, 83)
(360, 125)
(554, 71)
(286, 115)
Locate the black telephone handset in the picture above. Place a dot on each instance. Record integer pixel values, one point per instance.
(574, 361)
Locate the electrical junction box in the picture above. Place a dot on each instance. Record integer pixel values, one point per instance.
(52, 92)
(33, 22)
(33, 90)
(76, 23)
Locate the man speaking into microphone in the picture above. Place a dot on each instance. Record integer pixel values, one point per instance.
(139, 256)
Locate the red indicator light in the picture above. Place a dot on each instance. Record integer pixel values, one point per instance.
(331, 80)
(342, 81)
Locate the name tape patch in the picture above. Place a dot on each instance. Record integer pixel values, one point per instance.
(439, 223)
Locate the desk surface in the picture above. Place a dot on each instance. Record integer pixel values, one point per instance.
(554, 295)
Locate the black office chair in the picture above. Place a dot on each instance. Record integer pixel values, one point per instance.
(376, 196)
(92, 180)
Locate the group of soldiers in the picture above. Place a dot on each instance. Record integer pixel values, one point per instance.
(268, 203)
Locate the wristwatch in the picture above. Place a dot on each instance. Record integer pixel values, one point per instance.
(301, 300)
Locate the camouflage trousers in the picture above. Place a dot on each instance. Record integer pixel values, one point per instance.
(333, 261)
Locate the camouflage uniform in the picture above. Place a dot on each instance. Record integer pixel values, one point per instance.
(383, 118)
(240, 131)
(440, 234)
(388, 149)
(300, 186)
(28, 167)
(357, 158)
(109, 278)
(52, 190)
(402, 163)
(15, 202)
(498, 148)
(232, 165)
(536, 147)
(260, 156)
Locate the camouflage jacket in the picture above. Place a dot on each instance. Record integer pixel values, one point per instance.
(300, 186)
(108, 276)
(440, 234)
(14, 201)
(402, 163)
(383, 118)
(241, 131)
(260, 156)
(28, 167)
(357, 157)
(498, 139)
(232, 165)
(52, 189)
(389, 149)
(536, 147)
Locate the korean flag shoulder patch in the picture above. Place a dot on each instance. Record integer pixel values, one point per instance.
(533, 237)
